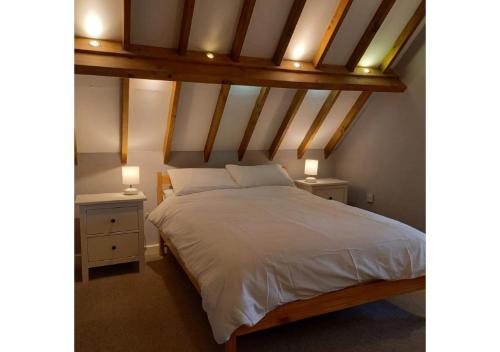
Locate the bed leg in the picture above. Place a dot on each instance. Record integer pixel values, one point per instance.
(162, 246)
(230, 345)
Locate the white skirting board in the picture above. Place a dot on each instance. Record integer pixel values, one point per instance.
(151, 253)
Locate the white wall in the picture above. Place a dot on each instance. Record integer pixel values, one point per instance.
(384, 151)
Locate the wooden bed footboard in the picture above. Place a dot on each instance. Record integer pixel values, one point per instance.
(301, 309)
(328, 303)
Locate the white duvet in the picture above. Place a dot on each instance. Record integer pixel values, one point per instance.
(254, 249)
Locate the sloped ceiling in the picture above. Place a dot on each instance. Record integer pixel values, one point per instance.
(157, 23)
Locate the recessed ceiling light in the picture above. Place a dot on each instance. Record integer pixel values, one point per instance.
(366, 70)
(210, 55)
(296, 64)
(94, 43)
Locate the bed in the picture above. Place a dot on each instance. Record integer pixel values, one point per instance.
(236, 308)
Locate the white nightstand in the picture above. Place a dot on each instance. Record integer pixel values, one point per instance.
(111, 229)
(328, 188)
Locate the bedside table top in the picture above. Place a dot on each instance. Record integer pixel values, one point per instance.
(323, 182)
(83, 199)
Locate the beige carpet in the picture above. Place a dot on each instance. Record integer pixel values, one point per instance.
(159, 310)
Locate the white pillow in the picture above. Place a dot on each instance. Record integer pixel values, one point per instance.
(260, 175)
(167, 193)
(186, 181)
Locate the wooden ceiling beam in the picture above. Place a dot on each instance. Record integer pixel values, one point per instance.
(252, 122)
(187, 19)
(76, 150)
(172, 114)
(286, 34)
(241, 30)
(403, 38)
(346, 122)
(214, 125)
(165, 64)
(124, 119)
(126, 24)
(375, 23)
(332, 30)
(318, 121)
(287, 121)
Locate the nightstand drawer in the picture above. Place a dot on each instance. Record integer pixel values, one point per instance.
(113, 246)
(338, 193)
(109, 220)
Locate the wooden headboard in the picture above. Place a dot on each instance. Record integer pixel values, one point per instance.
(162, 182)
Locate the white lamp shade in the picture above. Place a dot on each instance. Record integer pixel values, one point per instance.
(311, 167)
(130, 175)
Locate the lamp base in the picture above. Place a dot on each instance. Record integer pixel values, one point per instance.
(131, 191)
(311, 179)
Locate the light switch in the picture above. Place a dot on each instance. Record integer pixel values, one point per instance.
(370, 198)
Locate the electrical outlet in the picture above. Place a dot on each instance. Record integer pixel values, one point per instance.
(370, 198)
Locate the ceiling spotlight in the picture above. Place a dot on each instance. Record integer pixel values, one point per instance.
(366, 70)
(296, 64)
(210, 55)
(94, 43)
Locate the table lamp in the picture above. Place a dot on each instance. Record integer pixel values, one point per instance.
(130, 177)
(311, 169)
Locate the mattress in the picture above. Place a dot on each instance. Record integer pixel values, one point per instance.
(253, 249)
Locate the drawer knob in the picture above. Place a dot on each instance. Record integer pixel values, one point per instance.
(113, 248)
(331, 198)
(113, 220)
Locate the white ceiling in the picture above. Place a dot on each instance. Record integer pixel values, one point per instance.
(268, 19)
(239, 106)
(194, 114)
(303, 119)
(312, 24)
(108, 14)
(355, 22)
(214, 24)
(275, 108)
(339, 110)
(387, 34)
(157, 22)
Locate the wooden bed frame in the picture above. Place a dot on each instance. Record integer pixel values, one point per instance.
(301, 309)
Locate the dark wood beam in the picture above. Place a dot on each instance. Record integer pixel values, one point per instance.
(375, 23)
(403, 38)
(252, 122)
(165, 64)
(187, 18)
(124, 119)
(214, 125)
(241, 30)
(344, 125)
(287, 121)
(172, 114)
(332, 30)
(126, 24)
(286, 34)
(318, 121)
